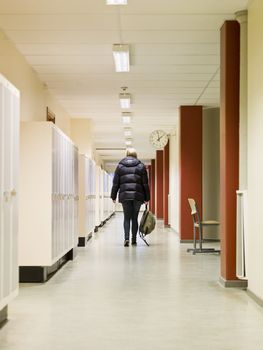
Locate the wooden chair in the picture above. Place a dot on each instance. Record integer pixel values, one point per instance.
(198, 224)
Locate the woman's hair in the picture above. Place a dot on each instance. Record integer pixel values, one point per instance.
(131, 152)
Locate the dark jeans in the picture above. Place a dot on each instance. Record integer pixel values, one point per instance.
(131, 211)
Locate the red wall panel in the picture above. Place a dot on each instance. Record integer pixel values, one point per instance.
(152, 185)
(165, 183)
(159, 184)
(190, 165)
(229, 145)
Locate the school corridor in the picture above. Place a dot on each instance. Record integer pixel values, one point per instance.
(107, 106)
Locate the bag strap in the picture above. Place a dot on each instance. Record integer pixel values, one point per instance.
(142, 236)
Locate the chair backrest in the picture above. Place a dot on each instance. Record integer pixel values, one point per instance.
(192, 204)
(194, 210)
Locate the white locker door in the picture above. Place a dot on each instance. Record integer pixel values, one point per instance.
(9, 128)
(90, 185)
(87, 195)
(76, 195)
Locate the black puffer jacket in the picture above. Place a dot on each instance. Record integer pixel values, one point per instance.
(131, 180)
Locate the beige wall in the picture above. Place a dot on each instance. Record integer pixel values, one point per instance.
(255, 146)
(174, 181)
(81, 134)
(211, 170)
(34, 97)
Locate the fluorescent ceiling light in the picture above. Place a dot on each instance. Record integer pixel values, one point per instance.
(127, 133)
(126, 117)
(117, 2)
(128, 142)
(121, 57)
(125, 100)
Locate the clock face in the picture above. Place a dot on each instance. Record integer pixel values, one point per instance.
(158, 139)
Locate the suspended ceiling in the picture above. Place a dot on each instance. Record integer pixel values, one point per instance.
(175, 46)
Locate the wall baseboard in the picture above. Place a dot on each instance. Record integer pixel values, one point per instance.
(253, 296)
(242, 284)
(174, 230)
(204, 241)
(3, 315)
(83, 240)
(40, 274)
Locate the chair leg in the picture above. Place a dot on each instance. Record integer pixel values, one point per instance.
(204, 250)
(200, 237)
(194, 248)
(194, 238)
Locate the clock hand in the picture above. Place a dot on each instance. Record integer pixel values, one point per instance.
(159, 138)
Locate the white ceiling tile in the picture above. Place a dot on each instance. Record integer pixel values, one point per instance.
(85, 60)
(124, 81)
(153, 36)
(54, 7)
(65, 49)
(174, 49)
(185, 6)
(134, 6)
(63, 37)
(135, 62)
(159, 49)
(104, 69)
(173, 22)
(61, 22)
(173, 60)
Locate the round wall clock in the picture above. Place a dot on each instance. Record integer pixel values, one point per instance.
(158, 139)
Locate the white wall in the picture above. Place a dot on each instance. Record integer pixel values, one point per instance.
(211, 170)
(174, 180)
(255, 147)
(34, 96)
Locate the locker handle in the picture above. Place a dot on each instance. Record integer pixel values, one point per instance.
(13, 193)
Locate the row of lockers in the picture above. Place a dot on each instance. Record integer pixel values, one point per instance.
(48, 194)
(62, 193)
(40, 222)
(95, 200)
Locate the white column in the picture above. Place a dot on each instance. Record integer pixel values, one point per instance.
(241, 17)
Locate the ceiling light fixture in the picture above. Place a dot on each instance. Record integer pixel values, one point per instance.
(126, 117)
(127, 133)
(117, 2)
(125, 98)
(128, 142)
(121, 57)
(126, 120)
